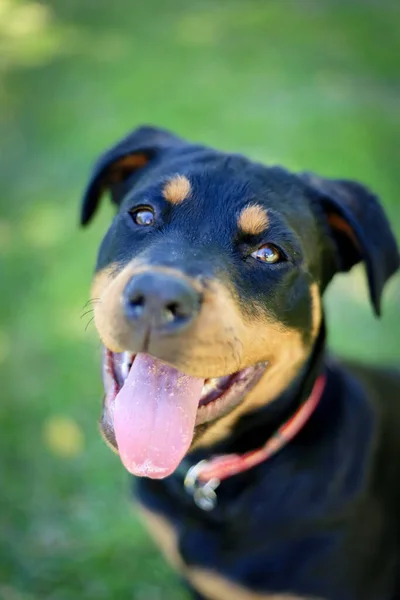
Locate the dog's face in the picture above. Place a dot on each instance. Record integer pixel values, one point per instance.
(207, 292)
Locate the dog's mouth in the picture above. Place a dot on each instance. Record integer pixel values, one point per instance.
(153, 408)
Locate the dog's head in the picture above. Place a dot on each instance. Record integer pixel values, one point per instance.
(207, 292)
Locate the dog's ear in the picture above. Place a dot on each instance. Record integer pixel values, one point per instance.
(134, 152)
(360, 230)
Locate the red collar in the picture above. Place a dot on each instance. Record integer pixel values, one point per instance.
(203, 479)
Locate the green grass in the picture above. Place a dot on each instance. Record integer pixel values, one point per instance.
(312, 85)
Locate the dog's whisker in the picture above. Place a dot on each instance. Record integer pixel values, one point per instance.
(89, 322)
(91, 301)
(87, 312)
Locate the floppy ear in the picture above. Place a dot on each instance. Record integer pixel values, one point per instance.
(132, 153)
(360, 230)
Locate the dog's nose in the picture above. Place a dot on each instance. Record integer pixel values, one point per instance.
(164, 302)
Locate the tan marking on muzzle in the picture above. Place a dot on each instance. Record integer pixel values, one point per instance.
(253, 220)
(220, 340)
(108, 285)
(177, 189)
(286, 353)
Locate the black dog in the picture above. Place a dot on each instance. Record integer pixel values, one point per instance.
(267, 470)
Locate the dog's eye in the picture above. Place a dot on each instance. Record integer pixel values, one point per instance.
(268, 254)
(143, 216)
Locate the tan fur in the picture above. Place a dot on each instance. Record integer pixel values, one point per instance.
(177, 189)
(107, 316)
(289, 353)
(316, 309)
(215, 587)
(164, 535)
(286, 356)
(253, 220)
(101, 280)
(220, 341)
(114, 329)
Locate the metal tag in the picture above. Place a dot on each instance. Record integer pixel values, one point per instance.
(205, 498)
(203, 494)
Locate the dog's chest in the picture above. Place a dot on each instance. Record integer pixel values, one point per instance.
(285, 535)
(224, 562)
(209, 581)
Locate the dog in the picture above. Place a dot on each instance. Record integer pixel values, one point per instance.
(263, 467)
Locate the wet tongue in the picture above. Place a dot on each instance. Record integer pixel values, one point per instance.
(154, 417)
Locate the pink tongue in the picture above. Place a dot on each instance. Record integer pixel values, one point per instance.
(154, 417)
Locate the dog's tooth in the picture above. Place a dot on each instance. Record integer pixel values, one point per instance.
(206, 388)
(126, 365)
(108, 380)
(124, 371)
(210, 386)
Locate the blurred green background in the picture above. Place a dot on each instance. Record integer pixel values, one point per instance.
(309, 84)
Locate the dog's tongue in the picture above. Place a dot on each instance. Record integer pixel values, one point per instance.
(154, 417)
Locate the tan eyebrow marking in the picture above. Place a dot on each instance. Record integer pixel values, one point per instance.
(253, 219)
(177, 189)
